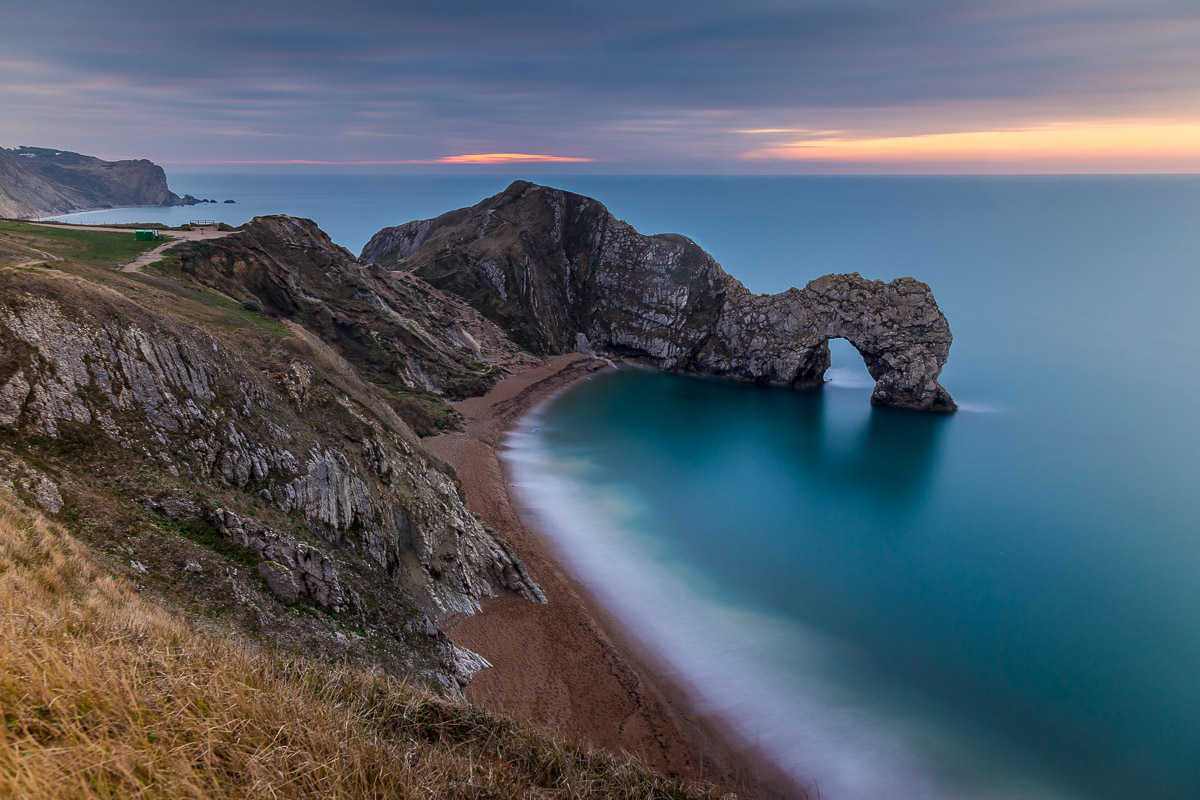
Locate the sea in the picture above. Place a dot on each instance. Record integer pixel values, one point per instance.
(1000, 603)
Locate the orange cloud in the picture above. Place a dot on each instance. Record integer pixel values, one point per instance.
(505, 158)
(474, 158)
(1125, 142)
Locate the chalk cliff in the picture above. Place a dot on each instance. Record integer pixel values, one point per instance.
(559, 272)
(39, 181)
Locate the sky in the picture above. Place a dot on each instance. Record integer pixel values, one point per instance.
(623, 87)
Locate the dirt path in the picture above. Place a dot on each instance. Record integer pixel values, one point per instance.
(44, 256)
(171, 238)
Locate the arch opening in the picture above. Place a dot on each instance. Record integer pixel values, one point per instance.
(847, 366)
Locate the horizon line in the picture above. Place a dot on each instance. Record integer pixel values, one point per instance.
(723, 174)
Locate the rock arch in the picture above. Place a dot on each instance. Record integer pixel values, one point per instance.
(783, 339)
(557, 271)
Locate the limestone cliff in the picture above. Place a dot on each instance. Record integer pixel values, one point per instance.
(38, 181)
(558, 271)
(242, 467)
(394, 328)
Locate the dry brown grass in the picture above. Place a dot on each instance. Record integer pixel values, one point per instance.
(105, 695)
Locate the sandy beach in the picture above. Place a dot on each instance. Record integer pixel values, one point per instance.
(566, 667)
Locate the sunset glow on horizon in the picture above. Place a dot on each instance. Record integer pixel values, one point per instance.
(473, 158)
(1151, 143)
(507, 158)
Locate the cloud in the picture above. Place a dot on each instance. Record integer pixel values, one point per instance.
(505, 158)
(636, 85)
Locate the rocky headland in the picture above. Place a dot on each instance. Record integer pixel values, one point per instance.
(559, 273)
(41, 181)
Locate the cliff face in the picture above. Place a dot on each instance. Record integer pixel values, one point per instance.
(394, 328)
(37, 181)
(559, 272)
(243, 467)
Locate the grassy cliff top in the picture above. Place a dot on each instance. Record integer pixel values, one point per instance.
(21, 243)
(106, 695)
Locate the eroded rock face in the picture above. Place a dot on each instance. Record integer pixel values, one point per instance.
(784, 338)
(393, 327)
(342, 463)
(549, 265)
(293, 570)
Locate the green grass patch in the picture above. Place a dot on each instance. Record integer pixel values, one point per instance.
(425, 413)
(253, 319)
(206, 306)
(93, 248)
(207, 535)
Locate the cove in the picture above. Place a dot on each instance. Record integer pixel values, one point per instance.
(889, 603)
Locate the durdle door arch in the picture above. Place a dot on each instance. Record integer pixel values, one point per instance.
(551, 266)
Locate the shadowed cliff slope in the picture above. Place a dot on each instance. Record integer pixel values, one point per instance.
(397, 330)
(559, 272)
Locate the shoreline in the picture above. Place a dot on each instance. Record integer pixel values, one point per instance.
(52, 217)
(567, 667)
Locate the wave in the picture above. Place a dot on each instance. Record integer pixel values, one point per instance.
(978, 408)
(778, 684)
(848, 378)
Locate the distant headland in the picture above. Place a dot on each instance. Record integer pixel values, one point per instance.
(41, 181)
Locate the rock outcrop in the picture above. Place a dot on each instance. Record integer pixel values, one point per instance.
(395, 328)
(265, 448)
(188, 402)
(38, 181)
(550, 266)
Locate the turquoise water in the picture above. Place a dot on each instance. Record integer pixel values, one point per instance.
(1002, 603)
(999, 604)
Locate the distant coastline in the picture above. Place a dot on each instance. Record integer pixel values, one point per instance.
(40, 182)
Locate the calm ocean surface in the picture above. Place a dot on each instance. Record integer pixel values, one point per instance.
(1002, 603)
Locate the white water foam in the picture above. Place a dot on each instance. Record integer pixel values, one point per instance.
(848, 378)
(773, 681)
(978, 408)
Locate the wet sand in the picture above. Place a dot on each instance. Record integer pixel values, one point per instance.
(565, 667)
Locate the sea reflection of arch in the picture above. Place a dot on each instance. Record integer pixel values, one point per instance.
(892, 455)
